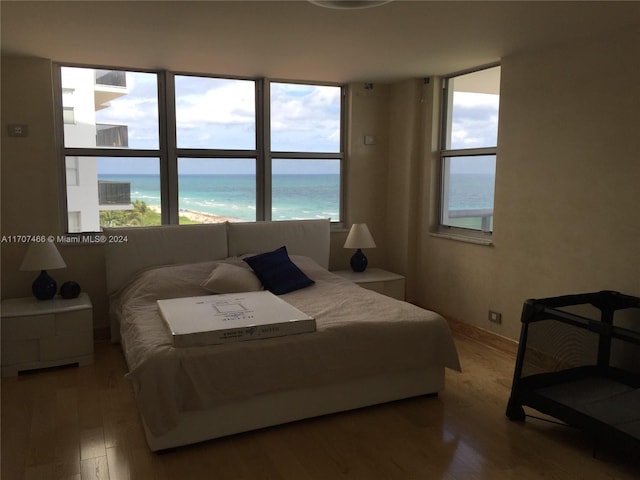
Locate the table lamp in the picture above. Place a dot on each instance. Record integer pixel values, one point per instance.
(43, 256)
(359, 237)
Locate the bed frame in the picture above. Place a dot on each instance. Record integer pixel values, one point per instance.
(154, 246)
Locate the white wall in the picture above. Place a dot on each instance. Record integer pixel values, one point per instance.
(567, 216)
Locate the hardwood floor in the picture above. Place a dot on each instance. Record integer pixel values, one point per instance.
(82, 423)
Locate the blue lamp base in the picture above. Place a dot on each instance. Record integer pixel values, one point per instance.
(44, 287)
(359, 261)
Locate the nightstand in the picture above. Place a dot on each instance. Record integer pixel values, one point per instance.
(378, 280)
(46, 333)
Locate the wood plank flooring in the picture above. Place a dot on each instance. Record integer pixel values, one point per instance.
(82, 423)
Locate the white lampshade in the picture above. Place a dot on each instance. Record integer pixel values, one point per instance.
(42, 256)
(359, 237)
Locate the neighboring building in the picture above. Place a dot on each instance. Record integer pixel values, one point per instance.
(86, 195)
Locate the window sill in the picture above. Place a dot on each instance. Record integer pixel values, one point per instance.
(338, 227)
(479, 239)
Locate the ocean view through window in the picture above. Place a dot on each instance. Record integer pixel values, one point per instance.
(468, 153)
(120, 170)
(313, 191)
(229, 197)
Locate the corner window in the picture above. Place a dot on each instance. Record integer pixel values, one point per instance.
(468, 153)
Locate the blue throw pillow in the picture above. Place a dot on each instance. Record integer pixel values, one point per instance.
(277, 272)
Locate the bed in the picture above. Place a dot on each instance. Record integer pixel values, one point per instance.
(366, 348)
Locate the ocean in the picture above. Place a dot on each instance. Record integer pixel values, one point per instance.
(233, 196)
(470, 191)
(294, 196)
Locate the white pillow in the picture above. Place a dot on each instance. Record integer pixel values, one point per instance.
(227, 278)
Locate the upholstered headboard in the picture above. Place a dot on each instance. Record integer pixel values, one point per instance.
(131, 249)
(301, 237)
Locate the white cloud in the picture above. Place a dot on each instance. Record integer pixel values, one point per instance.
(220, 113)
(470, 99)
(305, 117)
(474, 120)
(231, 102)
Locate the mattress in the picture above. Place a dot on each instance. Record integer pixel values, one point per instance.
(359, 334)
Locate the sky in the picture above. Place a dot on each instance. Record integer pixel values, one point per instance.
(220, 113)
(474, 121)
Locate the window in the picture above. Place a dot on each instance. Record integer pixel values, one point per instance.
(111, 150)
(468, 153)
(216, 189)
(305, 118)
(304, 188)
(213, 163)
(306, 144)
(216, 134)
(215, 113)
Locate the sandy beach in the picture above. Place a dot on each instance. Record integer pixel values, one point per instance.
(198, 217)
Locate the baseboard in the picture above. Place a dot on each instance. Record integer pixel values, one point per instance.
(487, 338)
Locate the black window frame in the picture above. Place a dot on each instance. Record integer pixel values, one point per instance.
(168, 153)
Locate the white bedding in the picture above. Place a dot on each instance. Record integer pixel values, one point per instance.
(360, 333)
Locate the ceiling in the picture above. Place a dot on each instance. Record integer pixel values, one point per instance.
(299, 40)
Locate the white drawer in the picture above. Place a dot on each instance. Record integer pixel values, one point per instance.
(19, 351)
(67, 345)
(28, 327)
(71, 322)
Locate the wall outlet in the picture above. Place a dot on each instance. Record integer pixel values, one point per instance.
(495, 317)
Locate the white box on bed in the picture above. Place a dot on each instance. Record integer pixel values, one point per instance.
(231, 317)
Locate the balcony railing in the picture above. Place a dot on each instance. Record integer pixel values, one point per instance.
(112, 135)
(114, 193)
(112, 78)
(484, 214)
